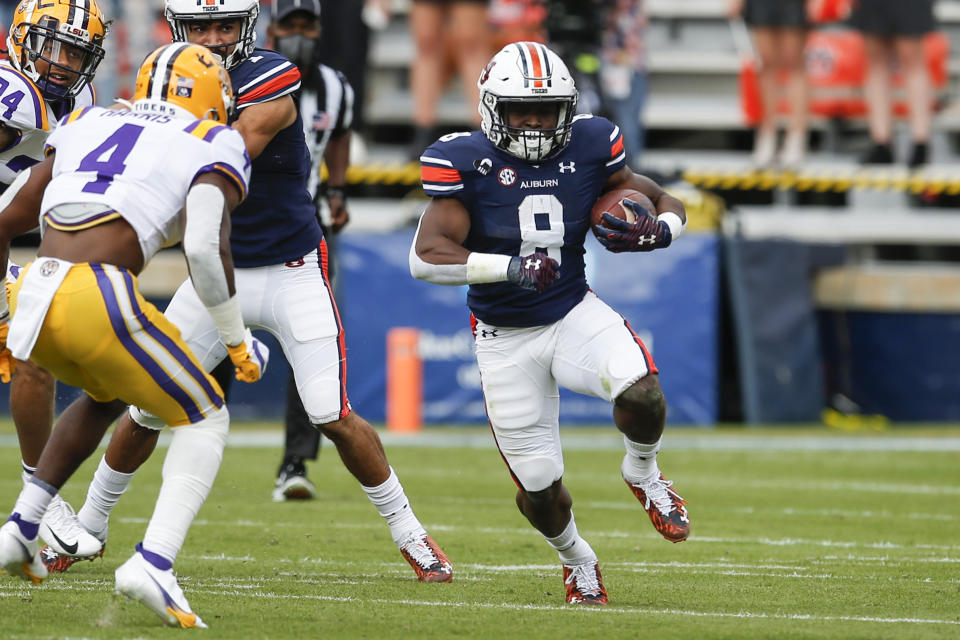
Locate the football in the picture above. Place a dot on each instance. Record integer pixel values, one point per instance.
(610, 203)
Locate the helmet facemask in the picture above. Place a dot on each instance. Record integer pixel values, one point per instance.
(231, 53)
(532, 145)
(45, 41)
(527, 73)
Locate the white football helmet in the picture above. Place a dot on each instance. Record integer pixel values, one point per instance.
(181, 12)
(526, 72)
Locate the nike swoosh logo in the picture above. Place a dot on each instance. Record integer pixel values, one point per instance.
(69, 548)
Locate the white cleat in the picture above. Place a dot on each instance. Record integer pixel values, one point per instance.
(61, 530)
(157, 590)
(18, 555)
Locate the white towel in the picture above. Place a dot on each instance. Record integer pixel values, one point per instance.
(40, 283)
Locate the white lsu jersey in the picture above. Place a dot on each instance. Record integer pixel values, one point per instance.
(138, 166)
(23, 109)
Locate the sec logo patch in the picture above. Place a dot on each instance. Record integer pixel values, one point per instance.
(507, 176)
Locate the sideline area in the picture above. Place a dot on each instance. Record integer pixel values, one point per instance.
(931, 438)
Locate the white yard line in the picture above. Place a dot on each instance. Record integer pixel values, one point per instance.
(254, 593)
(774, 542)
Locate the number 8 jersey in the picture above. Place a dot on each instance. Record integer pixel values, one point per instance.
(139, 166)
(517, 208)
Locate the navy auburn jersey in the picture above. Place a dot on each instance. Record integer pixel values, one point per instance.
(277, 222)
(517, 208)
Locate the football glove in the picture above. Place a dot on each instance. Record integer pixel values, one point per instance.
(535, 272)
(6, 358)
(250, 358)
(646, 234)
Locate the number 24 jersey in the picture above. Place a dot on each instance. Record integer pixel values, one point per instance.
(141, 166)
(518, 207)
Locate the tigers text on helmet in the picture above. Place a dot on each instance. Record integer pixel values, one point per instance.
(67, 35)
(184, 80)
(526, 72)
(180, 13)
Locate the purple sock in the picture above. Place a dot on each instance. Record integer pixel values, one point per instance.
(155, 559)
(28, 529)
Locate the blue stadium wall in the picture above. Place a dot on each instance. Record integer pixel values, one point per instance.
(669, 297)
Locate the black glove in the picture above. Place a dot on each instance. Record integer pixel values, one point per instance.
(646, 234)
(536, 271)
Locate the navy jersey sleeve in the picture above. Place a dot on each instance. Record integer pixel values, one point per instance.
(609, 141)
(439, 175)
(264, 76)
(447, 166)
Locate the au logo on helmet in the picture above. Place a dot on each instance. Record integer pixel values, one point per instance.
(526, 72)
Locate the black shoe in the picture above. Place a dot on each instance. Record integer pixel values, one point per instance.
(878, 154)
(292, 482)
(918, 157)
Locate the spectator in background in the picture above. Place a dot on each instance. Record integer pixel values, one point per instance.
(345, 45)
(779, 30)
(435, 24)
(516, 20)
(574, 30)
(896, 28)
(623, 76)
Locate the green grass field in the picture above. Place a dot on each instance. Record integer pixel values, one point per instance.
(795, 534)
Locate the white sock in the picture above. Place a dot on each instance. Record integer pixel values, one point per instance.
(189, 470)
(640, 463)
(392, 503)
(27, 472)
(102, 496)
(34, 500)
(571, 548)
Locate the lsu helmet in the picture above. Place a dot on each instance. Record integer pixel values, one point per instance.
(184, 80)
(181, 12)
(39, 31)
(526, 72)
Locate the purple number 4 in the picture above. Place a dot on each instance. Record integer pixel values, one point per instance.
(118, 145)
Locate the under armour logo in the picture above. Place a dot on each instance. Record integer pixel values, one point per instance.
(568, 168)
(533, 264)
(492, 333)
(647, 240)
(484, 166)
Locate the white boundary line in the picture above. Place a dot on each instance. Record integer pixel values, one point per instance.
(610, 440)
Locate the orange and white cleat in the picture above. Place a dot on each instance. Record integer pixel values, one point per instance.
(667, 510)
(427, 558)
(584, 584)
